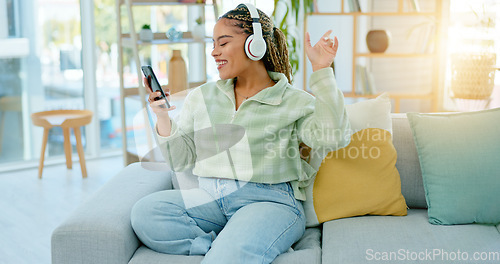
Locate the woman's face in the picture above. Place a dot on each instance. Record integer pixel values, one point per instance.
(229, 52)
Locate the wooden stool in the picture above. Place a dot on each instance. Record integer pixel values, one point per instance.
(66, 119)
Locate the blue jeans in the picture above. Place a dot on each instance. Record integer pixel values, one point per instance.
(228, 221)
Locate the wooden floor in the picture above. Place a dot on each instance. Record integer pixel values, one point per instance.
(31, 208)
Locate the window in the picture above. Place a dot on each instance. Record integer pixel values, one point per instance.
(473, 29)
(41, 68)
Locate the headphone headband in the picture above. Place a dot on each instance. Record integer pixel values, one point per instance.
(255, 46)
(253, 11)
(254, 14)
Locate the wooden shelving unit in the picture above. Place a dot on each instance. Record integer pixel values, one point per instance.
(131, 40)
(433, 96)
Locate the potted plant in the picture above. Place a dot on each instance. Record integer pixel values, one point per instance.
(199, 29)
(287, 18)
(146, 34)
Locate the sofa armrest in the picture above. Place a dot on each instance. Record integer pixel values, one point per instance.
(99, 231)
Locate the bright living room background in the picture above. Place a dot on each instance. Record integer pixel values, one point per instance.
(56, 44)
(24, 76)
(47, 51)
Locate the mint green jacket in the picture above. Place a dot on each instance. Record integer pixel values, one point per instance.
(260, 141)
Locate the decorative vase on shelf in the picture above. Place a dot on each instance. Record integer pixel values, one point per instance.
(146, 34)
(378, 40)
(177, 73)
(199, 32)
(174, 35)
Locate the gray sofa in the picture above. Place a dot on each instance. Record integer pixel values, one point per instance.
(99, 230)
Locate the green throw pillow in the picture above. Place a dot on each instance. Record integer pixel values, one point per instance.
(460, 161)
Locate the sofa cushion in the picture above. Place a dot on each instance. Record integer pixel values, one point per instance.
(99, 231)
(361, 178)
(306, 250)
(407, 164)
(405, 239)
(144, 255)
(459, 156)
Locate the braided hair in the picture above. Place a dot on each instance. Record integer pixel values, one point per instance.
(276, 57)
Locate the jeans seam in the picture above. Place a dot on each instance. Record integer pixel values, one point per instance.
(189, 224)
(294, 201)
(261, 186)
(281, 235)
(206, 220)
(192, 228)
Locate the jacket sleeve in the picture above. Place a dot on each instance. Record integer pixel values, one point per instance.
(178, 149)
(325, 124)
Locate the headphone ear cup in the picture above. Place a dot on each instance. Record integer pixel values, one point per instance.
(248, 41)
(255, 48)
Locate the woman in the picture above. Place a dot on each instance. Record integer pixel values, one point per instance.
(241, 136)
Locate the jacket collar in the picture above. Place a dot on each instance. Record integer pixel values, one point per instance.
(272, 95)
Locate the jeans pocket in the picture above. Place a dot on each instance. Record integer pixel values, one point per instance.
(278, 187)
(280, 193)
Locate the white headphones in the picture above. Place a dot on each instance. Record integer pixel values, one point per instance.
(255, 45)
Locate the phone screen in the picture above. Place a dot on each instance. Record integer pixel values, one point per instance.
(153, 82)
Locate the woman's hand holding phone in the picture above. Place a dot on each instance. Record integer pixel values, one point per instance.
(157, 104)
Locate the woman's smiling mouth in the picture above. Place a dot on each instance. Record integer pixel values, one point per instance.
(220, 63)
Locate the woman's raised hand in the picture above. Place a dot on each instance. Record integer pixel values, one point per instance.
(321, 55)
(155, 101)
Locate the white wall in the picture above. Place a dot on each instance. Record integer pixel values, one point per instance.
(342, 27)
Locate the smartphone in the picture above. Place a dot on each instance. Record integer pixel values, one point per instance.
(153, 82)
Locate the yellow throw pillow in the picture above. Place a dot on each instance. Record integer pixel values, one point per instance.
(360, 179)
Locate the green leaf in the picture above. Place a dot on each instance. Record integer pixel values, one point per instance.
(291, 28)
